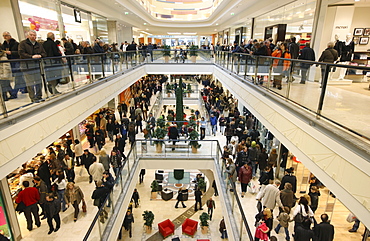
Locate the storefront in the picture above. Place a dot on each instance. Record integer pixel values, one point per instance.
(4, 220)
(63, 20)
(292, 20)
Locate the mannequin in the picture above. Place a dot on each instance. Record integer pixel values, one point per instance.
(338, 45)
(347, 50)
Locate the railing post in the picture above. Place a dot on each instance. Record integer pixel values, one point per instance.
(102, 65)
(270, 73)
(324, 83)
(112, 59)
(239, 59)
(246, 66)
(43, 78)
(232, 61)
(89, 68)
(5, 112)
(290, 77)
(256, 71)
(69, 62)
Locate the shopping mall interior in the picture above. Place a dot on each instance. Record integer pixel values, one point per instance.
(306, 120)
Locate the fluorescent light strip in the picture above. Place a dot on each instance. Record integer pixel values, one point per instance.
(173, 33)
(190, 33)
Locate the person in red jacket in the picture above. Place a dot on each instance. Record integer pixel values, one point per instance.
(30, 197)
(245, 176)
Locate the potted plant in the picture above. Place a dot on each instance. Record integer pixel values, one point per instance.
(169, 88)
(166, 53)
(154, 186)
(204, 217)
(202, 185)
(148, 217)
(193, 136)
(193, 53)
(160, 133)
(188, 90)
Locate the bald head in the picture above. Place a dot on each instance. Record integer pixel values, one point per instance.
(7, 36)
(50, 35)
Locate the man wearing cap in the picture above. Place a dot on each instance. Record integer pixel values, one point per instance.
(289, 178)
(253, 152)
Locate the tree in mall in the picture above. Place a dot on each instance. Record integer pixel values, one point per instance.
(179, 103)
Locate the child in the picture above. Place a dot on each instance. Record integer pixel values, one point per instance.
(135, 197)
(314, 196)
(284, 220)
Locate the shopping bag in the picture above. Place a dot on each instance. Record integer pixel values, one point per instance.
(351, 218)
(84, 208)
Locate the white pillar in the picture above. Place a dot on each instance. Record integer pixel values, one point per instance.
(112, 31)
(11, 19)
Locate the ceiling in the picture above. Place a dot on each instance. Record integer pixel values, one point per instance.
(142, 14)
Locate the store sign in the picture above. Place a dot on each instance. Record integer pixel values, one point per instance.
(77, 15)
(341, 27)
(47, 23)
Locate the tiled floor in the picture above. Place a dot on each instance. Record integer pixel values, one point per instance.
(165, 209)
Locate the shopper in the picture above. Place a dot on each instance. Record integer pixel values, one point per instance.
(280, 66)
(61, 186)
(245, 176)
(287, 196)
(74, 196)
(314, 194)
(52, 65)
(99, 195)
(303, 232)
(52, 209)
(104, 159)
(198, 199)
(135, 197)
(115, 161)
(303, 210)
(329, 55)
(180, 198)
(108, 182)
(203, 126)
(127, 222)
(27, 49)
(289, 178)
(271, 195)
(284, 220)
(96, 170)
(307, 53)
(77, 150)
(69, 168)
(210, 205)
(42, 188)
(324, 231)
(141, 176)
(88, 159)
(265, 219)
(30, 197)
(222, 229)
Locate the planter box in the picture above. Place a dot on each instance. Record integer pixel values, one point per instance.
(193, 59)
(166, 59)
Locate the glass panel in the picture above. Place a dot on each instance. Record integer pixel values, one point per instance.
(80, 70)
(95, 233)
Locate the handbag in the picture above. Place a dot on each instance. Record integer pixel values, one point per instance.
(351, 218)
(299, 218)
(20, 207)
(84, 206)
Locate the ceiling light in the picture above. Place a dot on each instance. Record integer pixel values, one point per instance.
(357, 0)
(308, 9)
(173, 33)
(147, 29)
(144, 23)
(190, 33)
(126, 13)
(216, 24)
(232, 14)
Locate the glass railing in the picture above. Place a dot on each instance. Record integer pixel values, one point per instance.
(322, 88)
(177, 56)
(98, 228)
(209, 149)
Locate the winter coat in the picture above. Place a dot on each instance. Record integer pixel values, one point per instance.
(5, 69)
(101, 194)
(245, 174)
(289, 179)
(329, 55)
(78, 195)
(105, 161)
(284, 219)
(26, 49)
(13, 48)
(271, 196)
(287, 197)
(96, 170)
(286, 63)
(52, 208)
(232, 172)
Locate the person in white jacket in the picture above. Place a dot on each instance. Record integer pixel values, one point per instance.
(271, 196)
(77, 150)
(96, 171)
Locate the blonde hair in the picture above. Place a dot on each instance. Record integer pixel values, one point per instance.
(103, 152)
(267, 212)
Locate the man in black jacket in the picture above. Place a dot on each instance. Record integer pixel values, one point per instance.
(52, 209)
(99, 195)
(52, 65)
(31, 49)
(68, 46)
(198, 199)
(87, 159)
(10, 46)
(307, 53)
(324, 231)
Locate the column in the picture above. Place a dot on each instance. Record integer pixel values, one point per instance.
(11, 19)
(58, 9)
(124, 34)
(145, 39)
(112, 31)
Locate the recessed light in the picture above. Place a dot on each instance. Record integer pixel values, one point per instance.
(126, 13)
(232, 14)
(144, 23)
(216, 24)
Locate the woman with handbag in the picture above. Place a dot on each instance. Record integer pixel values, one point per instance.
(302, 214)
(74, 195)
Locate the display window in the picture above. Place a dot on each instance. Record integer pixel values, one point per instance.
(4, 221)
(297, 16)
(75, 29)
(40, 16)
